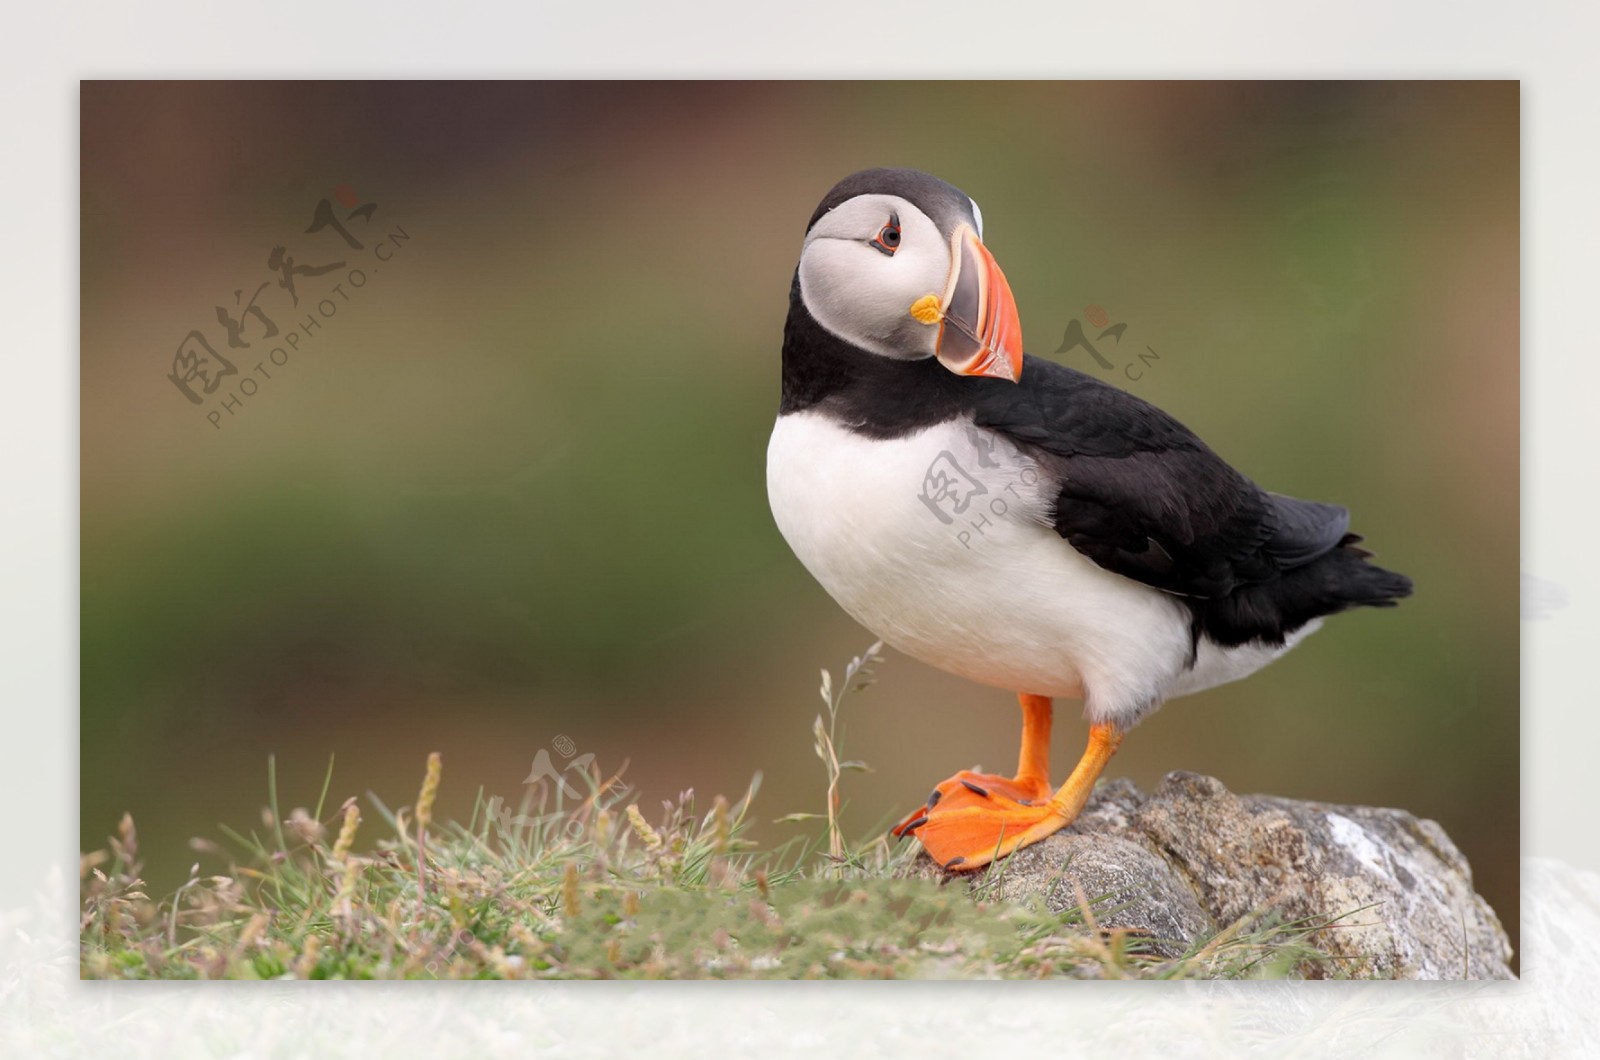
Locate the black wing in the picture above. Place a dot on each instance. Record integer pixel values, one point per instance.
(1141, 495)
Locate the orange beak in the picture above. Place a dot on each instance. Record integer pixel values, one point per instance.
(979, 333)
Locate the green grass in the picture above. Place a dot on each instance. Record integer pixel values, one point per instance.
(597, 889)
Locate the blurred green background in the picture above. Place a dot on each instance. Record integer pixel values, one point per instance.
(513, 490)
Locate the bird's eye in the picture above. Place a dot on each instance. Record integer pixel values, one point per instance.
(888, 238)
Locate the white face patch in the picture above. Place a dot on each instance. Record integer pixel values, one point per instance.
(864, 295)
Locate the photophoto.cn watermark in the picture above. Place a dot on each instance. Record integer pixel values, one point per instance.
(284, 315)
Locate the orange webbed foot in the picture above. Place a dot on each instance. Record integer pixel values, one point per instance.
(972, 818)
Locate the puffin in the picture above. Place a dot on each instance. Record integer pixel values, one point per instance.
(1016, 522)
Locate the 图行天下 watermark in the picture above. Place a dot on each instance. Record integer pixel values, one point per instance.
(578, 784)
(272, 326)
(968, 488)
(1106, 347)
(967, 492)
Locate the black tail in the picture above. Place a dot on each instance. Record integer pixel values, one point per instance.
(1338, 580)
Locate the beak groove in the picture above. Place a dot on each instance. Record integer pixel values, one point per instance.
(980, 332)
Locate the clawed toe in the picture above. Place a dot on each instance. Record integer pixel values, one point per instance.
(970, 790)
(974, 818)
(973, 836)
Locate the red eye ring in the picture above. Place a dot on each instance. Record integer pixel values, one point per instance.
(888, 238)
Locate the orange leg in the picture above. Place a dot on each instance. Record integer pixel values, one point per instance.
(973, 819)
(1033, 762)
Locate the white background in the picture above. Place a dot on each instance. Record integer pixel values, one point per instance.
(1551, 47)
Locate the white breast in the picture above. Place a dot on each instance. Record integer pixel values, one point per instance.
(940, 543)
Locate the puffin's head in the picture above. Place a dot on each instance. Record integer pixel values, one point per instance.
(894, 263)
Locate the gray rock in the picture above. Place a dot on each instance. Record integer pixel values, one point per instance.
(1125, 884)
(1178, 864)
